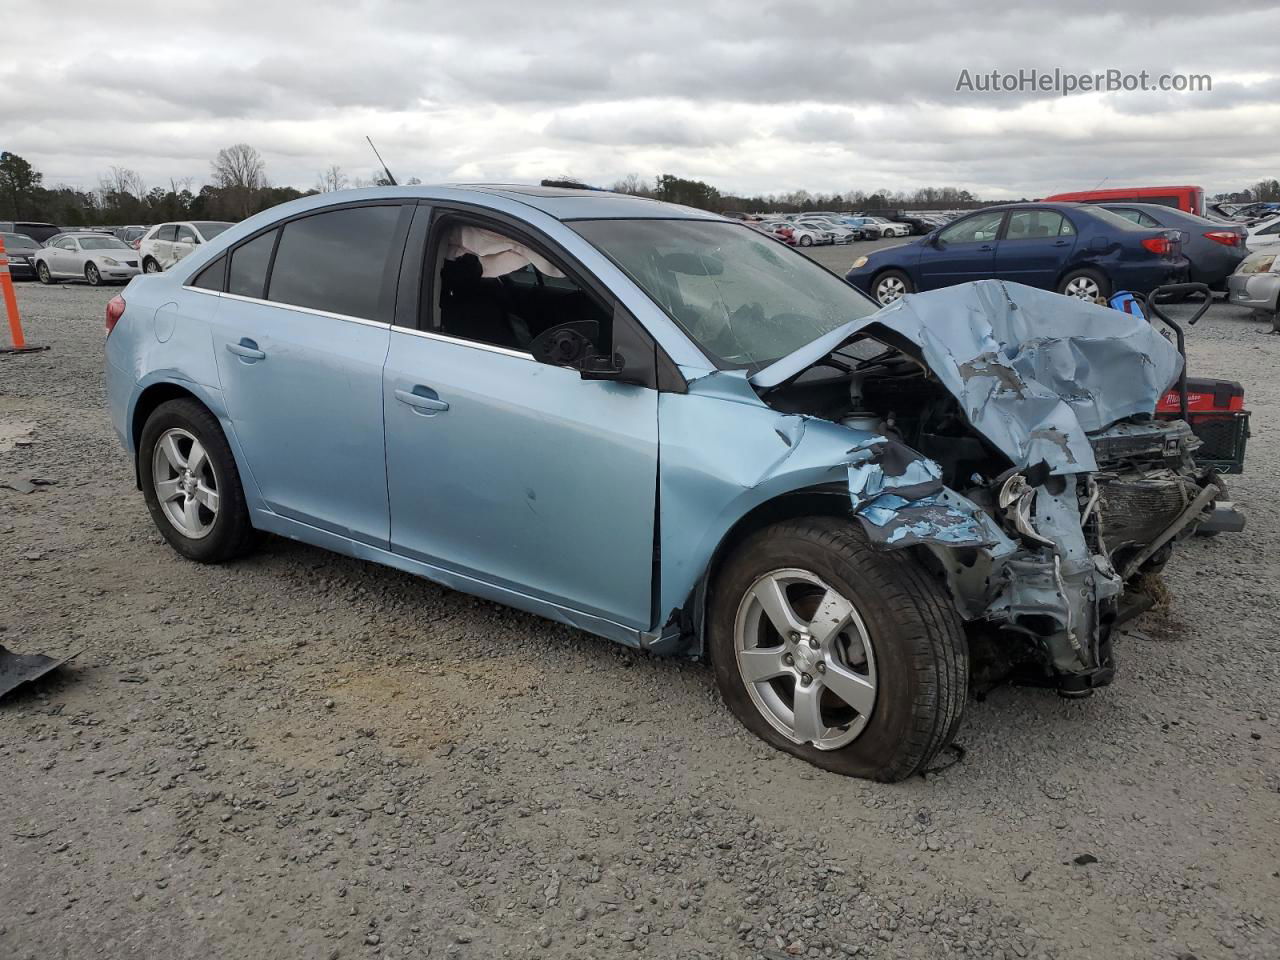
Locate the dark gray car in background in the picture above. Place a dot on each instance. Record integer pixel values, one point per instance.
(1214, 249)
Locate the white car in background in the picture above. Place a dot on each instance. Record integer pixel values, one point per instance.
(840, 233)
(95, 258)
(879, 227)
(167, 243)
(1265, 233)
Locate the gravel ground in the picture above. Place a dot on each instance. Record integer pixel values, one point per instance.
(302, 755)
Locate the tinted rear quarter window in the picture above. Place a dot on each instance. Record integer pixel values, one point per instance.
(211, 277)
(249, 262)
(336, 261)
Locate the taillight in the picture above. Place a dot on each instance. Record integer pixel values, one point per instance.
(1227, 238)
(115, 310)
(1160, 245)
(137, 244)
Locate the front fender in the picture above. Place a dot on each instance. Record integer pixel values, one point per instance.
(725, 453)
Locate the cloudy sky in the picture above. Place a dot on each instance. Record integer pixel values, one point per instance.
(750, 96)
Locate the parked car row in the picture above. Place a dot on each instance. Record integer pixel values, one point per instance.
(45, 252)
(1080, 250)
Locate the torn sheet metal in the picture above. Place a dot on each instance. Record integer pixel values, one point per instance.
(19, 668)
(900, 498)
(1035, 372)
(722, 460)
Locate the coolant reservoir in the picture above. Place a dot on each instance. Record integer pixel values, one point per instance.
(863, 420)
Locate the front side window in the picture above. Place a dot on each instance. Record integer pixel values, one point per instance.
(980, 228)
(249, 262)
(335, 261)
(495, 289)
(744, 299)
(1033, 224)
(103, 243)
(186, 235)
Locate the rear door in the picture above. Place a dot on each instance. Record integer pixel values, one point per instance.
(964, 251)
(300, 340)
(1035, 247)
(184, 242)
(162, 244)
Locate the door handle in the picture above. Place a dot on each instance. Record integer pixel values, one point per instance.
(424, 400)
(1062, 243)
(246, 350)
(985, 246)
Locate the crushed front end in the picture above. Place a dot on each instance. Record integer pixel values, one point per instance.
(1012, 440)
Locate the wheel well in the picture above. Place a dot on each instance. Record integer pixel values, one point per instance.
(812, 501)
(1081, 268)
(151, 398)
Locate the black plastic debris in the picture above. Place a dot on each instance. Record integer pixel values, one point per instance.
(1085, 859)
(19, 668)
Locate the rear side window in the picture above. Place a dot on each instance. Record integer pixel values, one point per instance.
(211, 277)
(1034, 224)
(168, 231)
(336, 261)
(249, 263)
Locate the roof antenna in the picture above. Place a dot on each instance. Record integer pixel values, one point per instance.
(391, 181)
(1100, 182)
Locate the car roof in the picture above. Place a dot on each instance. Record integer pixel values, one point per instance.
(565, 203)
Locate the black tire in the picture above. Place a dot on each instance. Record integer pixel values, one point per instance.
(43, 274)
(919, 645)
(805, 241)
(232, 534)
(92, 275)
(1084, 275)
(882, 286)
(150, 265)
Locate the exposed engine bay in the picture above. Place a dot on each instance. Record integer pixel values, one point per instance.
(1079, 498)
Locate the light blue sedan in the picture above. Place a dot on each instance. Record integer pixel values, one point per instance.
(645, 421)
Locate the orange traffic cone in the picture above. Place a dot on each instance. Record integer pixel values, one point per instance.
(20, 344)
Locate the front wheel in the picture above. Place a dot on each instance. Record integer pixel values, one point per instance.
(191, 485)
(850, 658)
(890, 286)
(91, 275)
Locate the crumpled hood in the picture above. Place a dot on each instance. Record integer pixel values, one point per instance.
(1035, 372)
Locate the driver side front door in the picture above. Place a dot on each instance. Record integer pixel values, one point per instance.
(505, 471)
(963, 251)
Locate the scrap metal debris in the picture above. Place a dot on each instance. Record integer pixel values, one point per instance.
(19, 668)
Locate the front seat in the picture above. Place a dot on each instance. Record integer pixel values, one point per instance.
(470, 307)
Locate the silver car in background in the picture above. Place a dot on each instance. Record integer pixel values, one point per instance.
(94, 258)
(1256, 284)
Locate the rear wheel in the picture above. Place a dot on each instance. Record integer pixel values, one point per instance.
(191, 484)
(149, 265)
(806, 241)
(1088, 285)
(42, 272)
(850, 658)
(890, 286)
(91, 275)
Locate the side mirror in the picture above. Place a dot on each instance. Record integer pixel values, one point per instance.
(573, 345)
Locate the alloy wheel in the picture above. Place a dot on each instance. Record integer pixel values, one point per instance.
(150, 266)
(185, 483)
(806, 659)
(1083, 288)
(890, 289)
(92, 275)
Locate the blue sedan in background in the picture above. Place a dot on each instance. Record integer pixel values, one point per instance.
(1075, 249)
